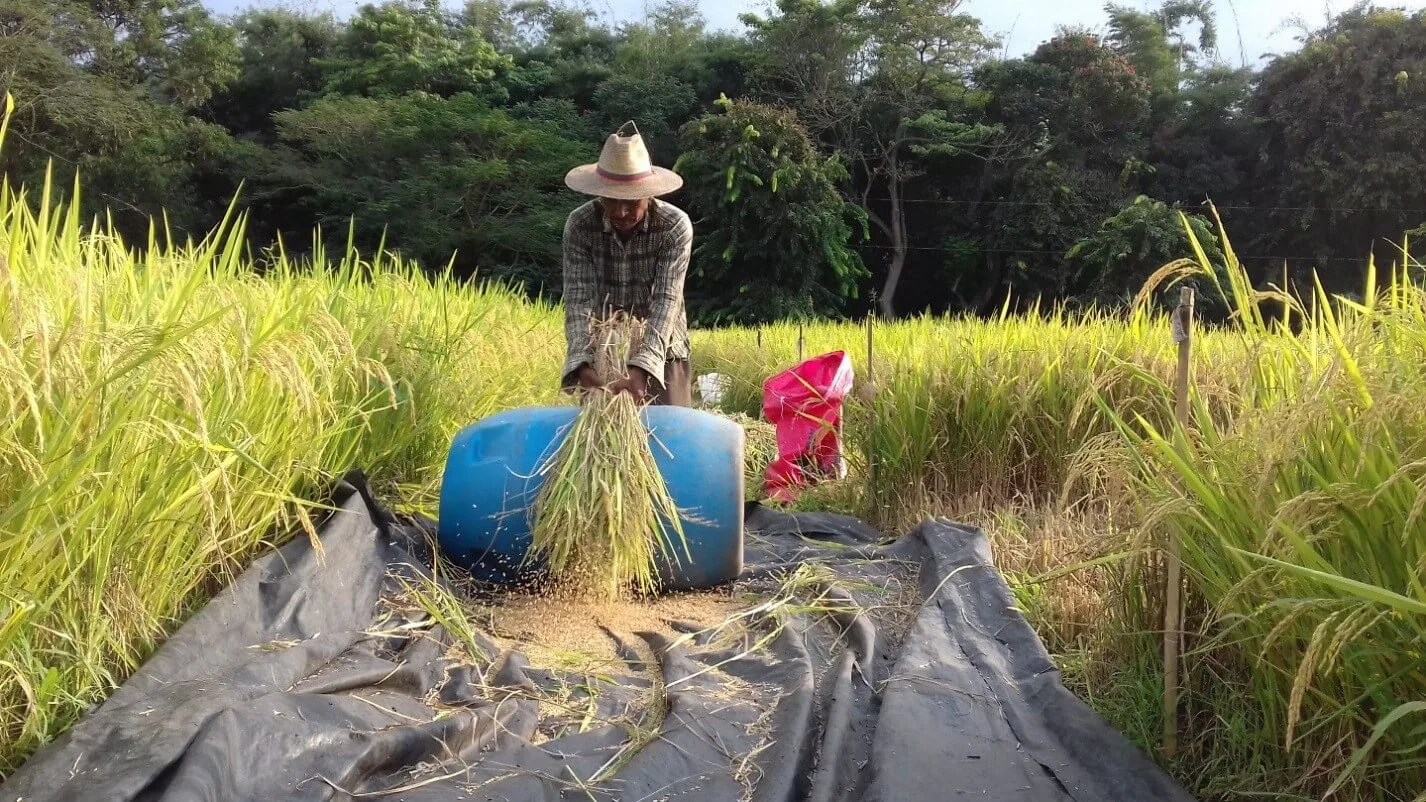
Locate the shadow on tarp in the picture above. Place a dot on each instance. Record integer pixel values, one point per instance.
(299, 682)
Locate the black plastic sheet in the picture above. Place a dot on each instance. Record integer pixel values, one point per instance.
(302, 681)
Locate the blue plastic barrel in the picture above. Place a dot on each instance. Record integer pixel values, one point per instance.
(491, 481)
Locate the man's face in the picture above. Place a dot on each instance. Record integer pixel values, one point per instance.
(625, 215)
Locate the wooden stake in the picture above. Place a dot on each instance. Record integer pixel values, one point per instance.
(799, 342)
(1173, 619)
(870, 397)
(870, 374)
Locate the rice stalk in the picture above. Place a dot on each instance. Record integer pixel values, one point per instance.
(604, 516)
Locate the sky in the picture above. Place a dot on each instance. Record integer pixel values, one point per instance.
(1247, 29)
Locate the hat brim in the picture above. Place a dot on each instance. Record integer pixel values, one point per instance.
(586, 179)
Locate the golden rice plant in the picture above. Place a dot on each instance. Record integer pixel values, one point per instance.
(759, 450)
(604, 515)
(171, 412)
(996, 410)
(1300, 524)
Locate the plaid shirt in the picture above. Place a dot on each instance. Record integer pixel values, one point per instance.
(643, 277)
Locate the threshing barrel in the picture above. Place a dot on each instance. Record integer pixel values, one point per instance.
(494, 470)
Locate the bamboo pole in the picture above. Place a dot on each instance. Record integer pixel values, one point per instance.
(1173, 618)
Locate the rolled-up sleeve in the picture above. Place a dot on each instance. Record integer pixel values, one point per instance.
(579, 289)
(665, 299)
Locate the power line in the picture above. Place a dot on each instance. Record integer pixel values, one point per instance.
(1033, 252)
(1113, 207)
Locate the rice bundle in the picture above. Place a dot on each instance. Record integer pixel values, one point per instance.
(604, 514)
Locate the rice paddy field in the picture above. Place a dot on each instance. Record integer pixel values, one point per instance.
(172, 411)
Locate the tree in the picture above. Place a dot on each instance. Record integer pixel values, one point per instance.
(172, 48)
(921, 50)
(1338, 171)
(562, 53)
(775, 233)
(666, 68)
(1100, 112)
(495, 21)
(280, 56)
(1076, 115)
(1157, 44)
(436, 178)
(664, 42)
(806, 57)
(401, 47)
(975, 176)
(659, 104)
(861, 73)
(1111, 265)
(107, 88)
(1203, 152)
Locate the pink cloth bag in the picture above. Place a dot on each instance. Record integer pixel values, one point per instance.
(805, 405)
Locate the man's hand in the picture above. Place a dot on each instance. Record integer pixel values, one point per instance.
(588, 379)
(637, 385)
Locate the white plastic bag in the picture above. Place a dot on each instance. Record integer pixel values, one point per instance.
(711, 387)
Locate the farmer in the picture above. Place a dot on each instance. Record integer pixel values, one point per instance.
(628, 251)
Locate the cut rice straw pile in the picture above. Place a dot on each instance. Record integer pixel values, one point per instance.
(604, 516)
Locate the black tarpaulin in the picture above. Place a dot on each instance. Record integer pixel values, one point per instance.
(304, 681)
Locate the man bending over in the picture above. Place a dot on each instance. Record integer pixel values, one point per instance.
(628, 251)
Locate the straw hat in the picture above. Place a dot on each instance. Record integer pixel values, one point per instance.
(624, 170)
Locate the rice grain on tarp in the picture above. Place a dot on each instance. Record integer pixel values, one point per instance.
(557, 631)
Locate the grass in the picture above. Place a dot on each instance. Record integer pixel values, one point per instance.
(171, 413)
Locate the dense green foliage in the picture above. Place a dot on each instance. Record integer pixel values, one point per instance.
(1113, 263)
(1343, 142)
(431, 173)
(777, 232)
(447, 131)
